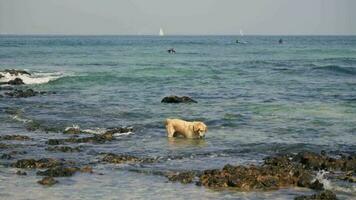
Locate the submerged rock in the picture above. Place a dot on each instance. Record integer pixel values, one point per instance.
(120, 159)
(14, 137)
(59, 171)
(6, 156)
(72, 130)
(21, 173)
(177, 99)
(41, 163)
(22, 93)
(64, 149)
(49, 181)
(102, 138)
(324, 195)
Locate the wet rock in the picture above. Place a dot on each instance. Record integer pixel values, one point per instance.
(102, 138)
(119, 159)
(41, 163)
(16, 81)
(16, 72)
(64, 149)
(59, 171)
(87, 169)
(35, 125)
(316, 161)
(22, 93)
(183, 177)
(49, 181)
(324, 195)
(5, 156)
(4, 146)
(21, 173)
(176, 99)
(349, 177)
(112, 131)
(14, 137)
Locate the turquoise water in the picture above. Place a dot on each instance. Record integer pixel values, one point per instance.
(258, 99)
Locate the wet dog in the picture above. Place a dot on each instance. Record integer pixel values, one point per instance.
(178, 127)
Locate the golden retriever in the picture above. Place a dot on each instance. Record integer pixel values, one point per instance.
(178, 127)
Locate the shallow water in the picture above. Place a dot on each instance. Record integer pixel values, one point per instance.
(258, 99)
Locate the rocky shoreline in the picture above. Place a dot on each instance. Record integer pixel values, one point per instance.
(277, 172)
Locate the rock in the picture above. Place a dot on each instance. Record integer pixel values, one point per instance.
(183, 177)
(21, 173)
(64, 149)
(324, 195)
(119, 159)
(102, 138)
(176, 99)
(41, 163)
(3, 146)
(22, 93)
(113, 131)
(6, 87)
(16, 81)
(16, 72)
(49, 181)
(316, 161)
(14, 137)
(86, 169)
(6, 156)
(59, 171)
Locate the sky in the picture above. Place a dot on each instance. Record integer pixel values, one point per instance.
(178, 17)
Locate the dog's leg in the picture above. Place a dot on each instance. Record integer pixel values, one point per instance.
(170, 131)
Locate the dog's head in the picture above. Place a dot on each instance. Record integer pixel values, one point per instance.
(200, 129)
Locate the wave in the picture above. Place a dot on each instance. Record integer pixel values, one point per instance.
(29, 78)
(337, 69)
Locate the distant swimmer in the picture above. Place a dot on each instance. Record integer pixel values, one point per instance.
(237, 41)
(172, 50)
(280, 41)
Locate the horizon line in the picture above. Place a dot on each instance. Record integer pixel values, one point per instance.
(172, 35)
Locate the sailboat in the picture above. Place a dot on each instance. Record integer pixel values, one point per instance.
(241, 41)
(161, 33)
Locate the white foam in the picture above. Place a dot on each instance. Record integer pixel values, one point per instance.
(18, 118)
(95, 131)
(34, 78)
(328, 185)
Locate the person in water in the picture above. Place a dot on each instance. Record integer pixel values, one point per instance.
(172, 50)
(237, 41)
(280, 41)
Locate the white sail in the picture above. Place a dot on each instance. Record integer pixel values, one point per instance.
(241, 33)
(161, 33)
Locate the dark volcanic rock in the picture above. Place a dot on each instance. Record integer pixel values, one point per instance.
(324, 195)
(64, 149)
(183, 177)
(102, 138)
(176, 99)
(16, 81)
(120, 158)
(49, 181)
(22, 93)
(315, 161)
(41, 163)
(16, 72)
(14, 137)
(21, 173)
(59, 171)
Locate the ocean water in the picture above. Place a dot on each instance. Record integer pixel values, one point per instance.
(258, 99)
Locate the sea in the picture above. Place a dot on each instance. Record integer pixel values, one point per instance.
(258, 98)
